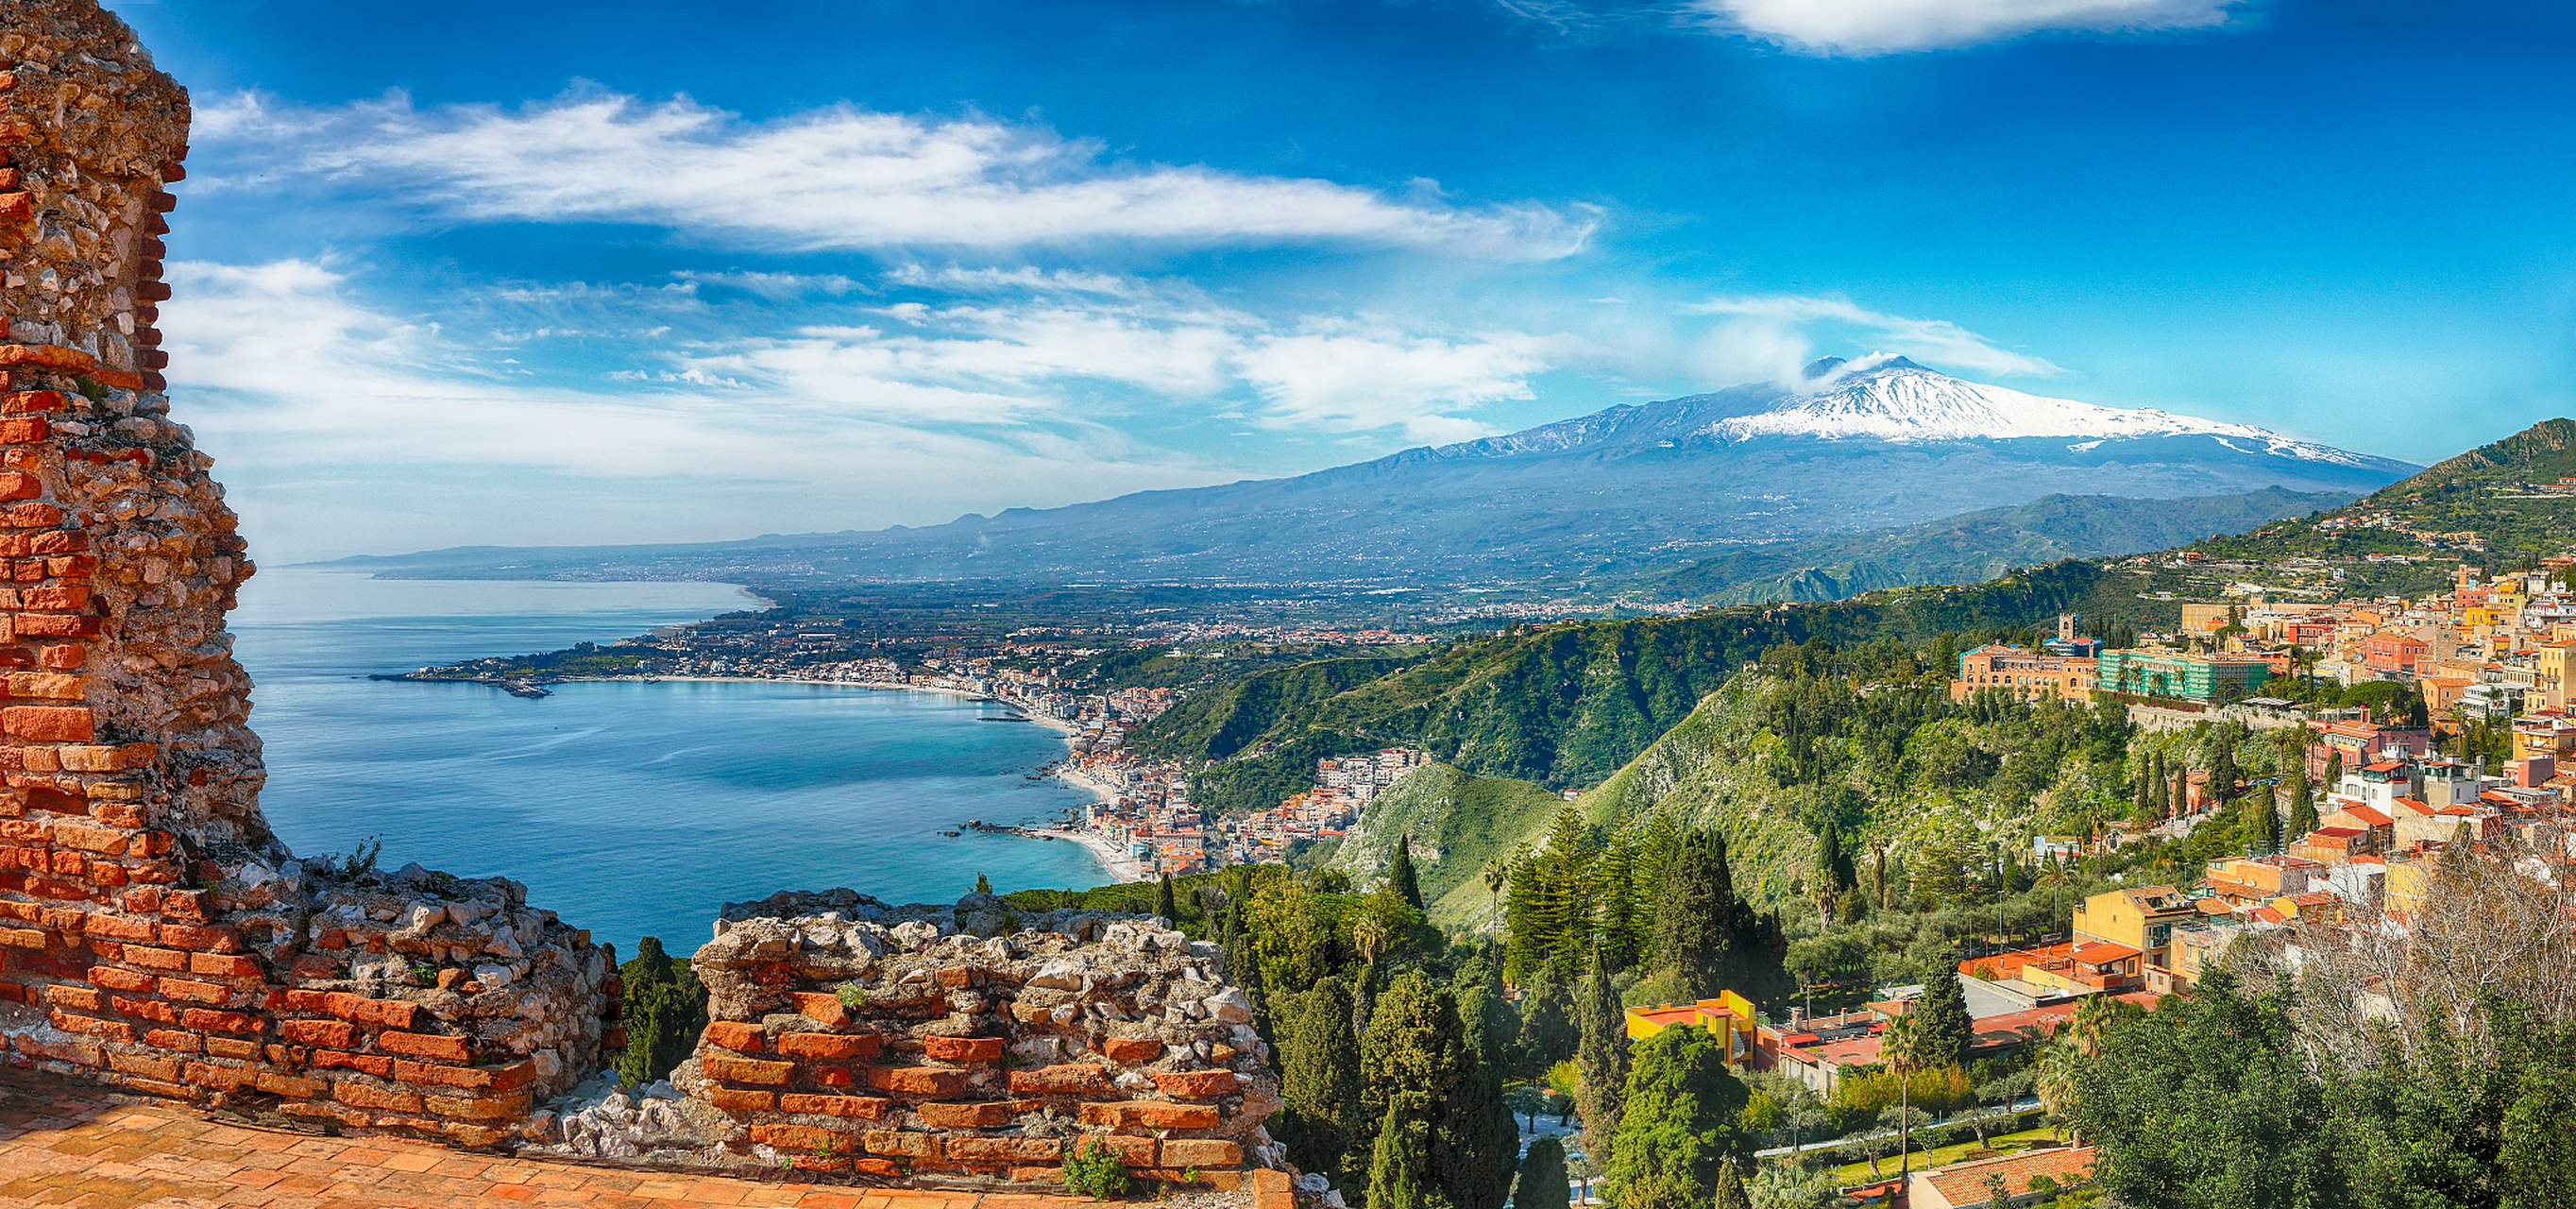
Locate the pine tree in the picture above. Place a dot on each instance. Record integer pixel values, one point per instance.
(983, 884)
(1618, 921)
(1320, 1081)
(1544, 1182)
(1680, 1124)
(1400, 875)
(1695, 920)
(1165, 903)
(1600, 1061)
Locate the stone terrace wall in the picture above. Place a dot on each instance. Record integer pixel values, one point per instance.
(955, 1041)
(153, 933)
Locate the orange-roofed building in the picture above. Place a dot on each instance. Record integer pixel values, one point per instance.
(1729, 1016)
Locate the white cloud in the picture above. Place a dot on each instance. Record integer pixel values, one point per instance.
(343, 428)
(1358, 381)
(834, 178)
(1771, 338)
(1872, 27)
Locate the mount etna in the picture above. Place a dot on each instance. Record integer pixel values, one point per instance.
(1630, 492)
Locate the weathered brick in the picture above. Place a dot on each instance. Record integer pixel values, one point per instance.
(830, 1046)
(367, 1095)
(106, 841)
(479, 1108)
(221, 1074)
(999, 1151)
(496, 1078)
(1132, 1151)
(194, 992)
(209, 1021)
(223, 965)
(872, 1108)
(47, 723)
(735, 1035)
(330, 1034)
(902, 1142)
(736, 1100)
(821, 1007)
(1131, 1050)
(375, 1064)
(91, 1026)
(232, 1047)
(155, 959)
(119, 927)
(219, 938)
(963, 1049)
(170, 1038)
(423, 1045)
(1197, 1084)
(279, 1083)
(1152, 1114)
(83, 999)
(800, 1137)
(968, 1116)
(1072, 1078)
(747, 1070)
(917, 1080)
(1201, 1152)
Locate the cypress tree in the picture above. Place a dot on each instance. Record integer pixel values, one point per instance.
(1601, 1062)
(1397, 1178)
(1548, 1033)
(1165, 903)
(1475, 1142)
(1695, 917)
(1544, 1183)
(2262, 824)
(1942, 1030)
(1320, 1081)
(1400, 875)
(2303, 802)
(1730, 1189)
(2181, 791)
(1413, 1061)
(664, 1013)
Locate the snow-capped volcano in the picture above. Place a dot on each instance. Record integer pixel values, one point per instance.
(1892, 399)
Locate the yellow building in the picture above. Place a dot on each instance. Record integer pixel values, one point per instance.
(1729, 1015)
(2143, 919)
(2557, 669)
(2409, 880)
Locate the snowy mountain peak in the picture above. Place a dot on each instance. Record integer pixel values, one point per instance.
(1887, 398)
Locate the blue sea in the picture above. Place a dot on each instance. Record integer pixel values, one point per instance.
(630, 809)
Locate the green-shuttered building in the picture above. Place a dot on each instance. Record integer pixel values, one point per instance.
(2207, 679)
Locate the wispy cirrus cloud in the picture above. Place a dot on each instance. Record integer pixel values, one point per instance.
(1774, 337)
(841, 177)
(1877, 27)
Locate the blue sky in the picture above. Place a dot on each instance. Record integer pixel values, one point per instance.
(567, 273)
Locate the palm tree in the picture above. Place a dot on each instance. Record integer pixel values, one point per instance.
(1371, 937)
(1897, 1045)
(2054, 1080)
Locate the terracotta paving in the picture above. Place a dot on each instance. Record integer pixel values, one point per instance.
(66, 1145)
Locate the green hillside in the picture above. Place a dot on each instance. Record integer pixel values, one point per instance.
(1565, 705)
(1978, 546)
(2482, 504)
(1461, 824)
(1217, 723)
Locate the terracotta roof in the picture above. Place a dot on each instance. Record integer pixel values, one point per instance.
(2369, 814)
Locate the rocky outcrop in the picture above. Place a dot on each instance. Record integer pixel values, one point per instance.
(962, 1042)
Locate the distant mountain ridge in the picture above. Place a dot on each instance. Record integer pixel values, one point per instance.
(1857, 445)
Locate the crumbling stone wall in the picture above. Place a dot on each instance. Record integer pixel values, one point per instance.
(153, 933)
(961, 1042)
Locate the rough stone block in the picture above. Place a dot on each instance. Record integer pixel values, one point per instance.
(904, 1143)
(1003, 1151)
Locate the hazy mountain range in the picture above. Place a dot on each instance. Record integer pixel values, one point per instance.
(1879, 443)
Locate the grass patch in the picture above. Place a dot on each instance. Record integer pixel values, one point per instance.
(1858, 1173)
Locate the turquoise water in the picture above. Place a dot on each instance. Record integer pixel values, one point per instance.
(630, 809)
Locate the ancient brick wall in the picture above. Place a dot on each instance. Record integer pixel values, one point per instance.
(963, 1043)
(153, 933)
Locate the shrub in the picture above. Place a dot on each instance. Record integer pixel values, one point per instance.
(1092, 1169)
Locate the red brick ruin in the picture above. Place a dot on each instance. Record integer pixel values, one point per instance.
(155, 936)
